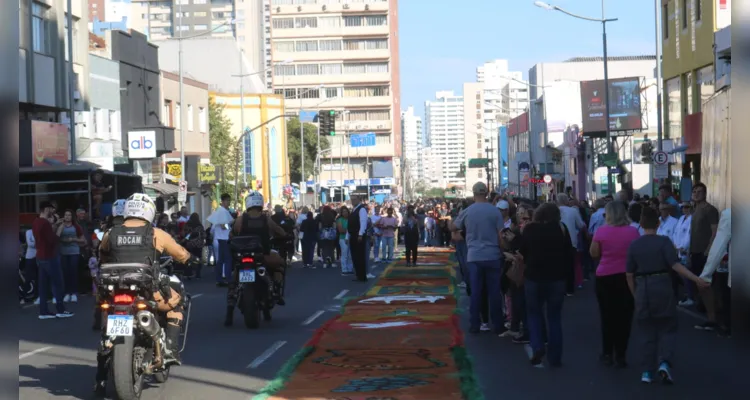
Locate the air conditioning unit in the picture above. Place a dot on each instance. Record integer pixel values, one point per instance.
(324, 7)
(367, 7)
(76, 95)
(278, 9)
(346, 6)
(299, 8)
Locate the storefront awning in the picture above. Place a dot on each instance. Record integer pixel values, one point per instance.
(163, 189)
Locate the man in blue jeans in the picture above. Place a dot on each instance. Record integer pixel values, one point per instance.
(483, 224)
(48, 262)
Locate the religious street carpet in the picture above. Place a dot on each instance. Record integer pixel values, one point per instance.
(400, 341)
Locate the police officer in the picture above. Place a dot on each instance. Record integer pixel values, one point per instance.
(258, 224)
(137, 241)
(118, 211)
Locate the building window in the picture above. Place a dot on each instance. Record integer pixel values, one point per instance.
(166, 113)
(200, 27)
(290, 93)
(95, 122)
(706, 83)
(306, 93)
(330, 69)
(183, 28)
(199, 13)
(283, 23)
(283, 46)
(200, 1)
(330, 45)
(329, 22)
(203, 119)
(355, 68)
(332, 93)
(376, 20)
(190, 118)
(308, 69)
(674, 108)
(684, 14)
(377, 68)
(307, 45)
(112, 117)
(351, 20)
(183, 2)
(40, 25)
(306, 22)
(281, 70)
(177, 117)
(370, 91)
(698, 9)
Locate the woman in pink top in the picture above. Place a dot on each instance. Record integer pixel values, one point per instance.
(610, 247)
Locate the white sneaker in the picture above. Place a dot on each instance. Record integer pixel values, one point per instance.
(66, 298)
(462, 285)
(36, 302)
(686, 303)
(509, 333)
(484, 327)
(377, 260)
(73, 298)
(64, 314)
(54, 300)
(370, 276)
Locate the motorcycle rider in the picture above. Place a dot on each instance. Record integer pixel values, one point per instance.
(118, 211)
(285, 246)
(137, 241)
(254, 222)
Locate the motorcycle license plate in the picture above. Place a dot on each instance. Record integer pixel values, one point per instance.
(120, 325)
(247, 275)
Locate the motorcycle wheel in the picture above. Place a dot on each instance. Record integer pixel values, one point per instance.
(161, 377)
(249, 307)
(127, 376)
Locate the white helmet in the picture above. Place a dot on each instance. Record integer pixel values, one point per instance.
(118, 208)
(254, 199)
(140, 206)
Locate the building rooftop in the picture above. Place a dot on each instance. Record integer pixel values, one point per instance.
(615, 58)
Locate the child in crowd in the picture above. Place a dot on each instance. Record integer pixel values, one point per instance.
(651, 264)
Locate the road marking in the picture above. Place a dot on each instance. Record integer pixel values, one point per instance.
(313, 317)
(195, 296)
(341, 294)
(31, 353)
(266, 354)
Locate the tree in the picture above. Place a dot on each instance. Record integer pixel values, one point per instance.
(435, 192)
(225, 151)
(293, 127)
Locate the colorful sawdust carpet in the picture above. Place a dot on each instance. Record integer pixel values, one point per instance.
(401, 341)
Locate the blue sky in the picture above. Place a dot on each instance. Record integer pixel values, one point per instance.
(443, 41)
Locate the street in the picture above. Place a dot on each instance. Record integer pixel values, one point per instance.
(57, 358)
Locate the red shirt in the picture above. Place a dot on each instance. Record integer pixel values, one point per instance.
(45, 237)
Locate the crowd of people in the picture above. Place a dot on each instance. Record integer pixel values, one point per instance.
(519, 260)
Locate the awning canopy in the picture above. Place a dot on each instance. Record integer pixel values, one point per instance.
(163, 189)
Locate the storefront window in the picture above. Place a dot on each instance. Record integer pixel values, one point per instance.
(706, 83)
(674, 108)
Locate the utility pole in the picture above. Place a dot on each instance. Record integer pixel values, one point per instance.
(71, 84)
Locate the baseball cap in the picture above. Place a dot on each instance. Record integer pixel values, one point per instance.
(479, 188)
(503, 205)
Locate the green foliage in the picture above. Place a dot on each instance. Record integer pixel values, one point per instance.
(293, 126)
(225, 151)
(435, 192)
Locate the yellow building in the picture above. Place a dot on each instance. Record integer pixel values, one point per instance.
(688, 28)
(266, 147)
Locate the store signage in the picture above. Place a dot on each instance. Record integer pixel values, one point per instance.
(141, 145)
(49, 142)
(207, 173)
(624, 106)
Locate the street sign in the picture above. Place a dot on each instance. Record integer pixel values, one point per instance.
(661, 158)
(307, 116)
(547, 179)
(182, 193)
(661, 171)
(478, 162)
(362, 140)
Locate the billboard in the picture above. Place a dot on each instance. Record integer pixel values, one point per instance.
(624, 106)
(50, 143)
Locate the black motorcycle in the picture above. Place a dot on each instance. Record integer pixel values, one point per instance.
(254, 285)
(134, 339)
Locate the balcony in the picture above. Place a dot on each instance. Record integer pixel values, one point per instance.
(338, 55)
(326, 32)
(313, 80)
(366, 126)
(340, 102)
(352, 8)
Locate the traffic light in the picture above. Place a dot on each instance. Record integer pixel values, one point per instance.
(327, 120)
(453, 190)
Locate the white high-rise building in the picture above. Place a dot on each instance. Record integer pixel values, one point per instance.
(505, 97)
(444, 120)
(411, 127)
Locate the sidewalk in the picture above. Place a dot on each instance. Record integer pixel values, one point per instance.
(707, 367)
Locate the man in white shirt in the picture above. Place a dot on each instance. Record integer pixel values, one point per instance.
(222, 253)
(667, 223)
(571, 217)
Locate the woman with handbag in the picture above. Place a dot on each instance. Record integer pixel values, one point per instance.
(547, 254)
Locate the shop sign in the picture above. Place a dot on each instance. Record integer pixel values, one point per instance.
(207, 173)
(49, 141)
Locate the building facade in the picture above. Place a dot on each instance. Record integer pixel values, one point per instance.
(444, 128)
(411, 126)
(343, 56)
(195, 94)
(474, 133)
(44, 81)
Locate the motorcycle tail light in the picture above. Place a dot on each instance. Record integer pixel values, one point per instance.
(104, 306)
(124, 298)
(141, 305)
(247, 260)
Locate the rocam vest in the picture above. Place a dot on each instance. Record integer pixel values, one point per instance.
(257, 227)
(132, 244)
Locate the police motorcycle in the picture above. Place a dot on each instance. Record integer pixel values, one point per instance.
(134, 340)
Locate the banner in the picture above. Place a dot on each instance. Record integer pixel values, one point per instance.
(624, 106)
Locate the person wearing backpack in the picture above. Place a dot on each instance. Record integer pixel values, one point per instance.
(328, 235)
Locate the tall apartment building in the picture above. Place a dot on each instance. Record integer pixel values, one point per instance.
(444, 125)
(248, 21)
(343, 55)
(505, 97)
(411, 128)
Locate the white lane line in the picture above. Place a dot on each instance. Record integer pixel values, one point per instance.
(31, 353)
(341, 294)
(266, 354)
(195, 296)
(313, 317)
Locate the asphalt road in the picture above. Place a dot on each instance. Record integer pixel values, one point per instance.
(57, 358)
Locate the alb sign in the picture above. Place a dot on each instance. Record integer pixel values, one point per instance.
(141, 144)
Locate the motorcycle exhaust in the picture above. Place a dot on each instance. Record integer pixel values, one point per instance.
(261, 271)
(148, 323)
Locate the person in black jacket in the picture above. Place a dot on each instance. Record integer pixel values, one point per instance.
(410, 229)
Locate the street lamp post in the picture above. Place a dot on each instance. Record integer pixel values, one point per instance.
(603, 21)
